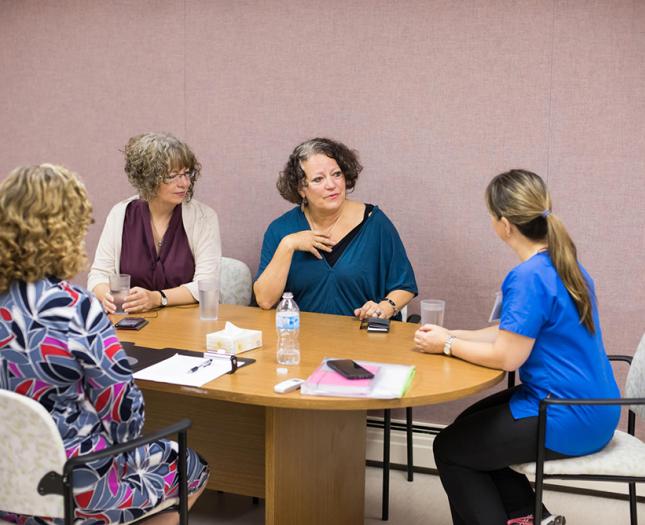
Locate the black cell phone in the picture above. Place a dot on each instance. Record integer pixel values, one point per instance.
(349, 369)
(375, 324)
(131, 323)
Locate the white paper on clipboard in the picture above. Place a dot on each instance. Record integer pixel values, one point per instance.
(496, 312)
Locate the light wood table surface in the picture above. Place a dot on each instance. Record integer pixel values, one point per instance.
(305, 455)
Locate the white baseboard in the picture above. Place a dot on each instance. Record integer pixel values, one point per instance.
(423, 457)
(398, 449)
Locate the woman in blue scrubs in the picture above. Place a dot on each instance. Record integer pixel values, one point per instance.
(335, 255)
(549, 330)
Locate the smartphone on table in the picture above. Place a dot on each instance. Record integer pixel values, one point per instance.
(349, 369)
(131, 323)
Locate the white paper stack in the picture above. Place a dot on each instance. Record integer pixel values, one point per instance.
(185, 370)
(233, 340)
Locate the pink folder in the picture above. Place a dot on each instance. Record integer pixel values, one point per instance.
(324, 381)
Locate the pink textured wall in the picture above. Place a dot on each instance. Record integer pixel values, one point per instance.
(437, 96)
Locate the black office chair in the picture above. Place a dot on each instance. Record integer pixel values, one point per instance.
(387, 427)
(409, 431)
(622, 460)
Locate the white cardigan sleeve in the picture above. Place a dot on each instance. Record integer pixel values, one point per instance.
(108, 252)
(202, 229)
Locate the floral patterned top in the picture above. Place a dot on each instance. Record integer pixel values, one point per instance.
(58, 347)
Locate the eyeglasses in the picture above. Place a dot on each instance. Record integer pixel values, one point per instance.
(173, 176)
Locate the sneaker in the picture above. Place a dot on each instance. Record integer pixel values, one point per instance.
(528, 520)
(554, 520)
(524, 520)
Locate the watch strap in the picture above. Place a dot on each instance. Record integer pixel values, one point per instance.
(447, 346)
(164, 298)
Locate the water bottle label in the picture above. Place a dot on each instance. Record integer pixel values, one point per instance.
(287, 321)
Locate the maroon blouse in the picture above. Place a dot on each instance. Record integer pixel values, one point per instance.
(175, 264)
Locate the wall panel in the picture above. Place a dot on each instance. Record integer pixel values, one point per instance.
(437, 96)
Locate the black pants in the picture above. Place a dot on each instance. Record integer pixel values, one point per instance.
(473, 455)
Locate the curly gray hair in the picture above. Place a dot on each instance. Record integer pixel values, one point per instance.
(150, 157)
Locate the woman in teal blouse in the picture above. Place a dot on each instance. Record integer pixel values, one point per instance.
(335, 255)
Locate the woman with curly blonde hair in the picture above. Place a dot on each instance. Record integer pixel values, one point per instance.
(58, 347)
(42, 225)
(162, 237)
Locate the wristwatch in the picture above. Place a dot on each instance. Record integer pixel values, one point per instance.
(164, 299)
(447, 346)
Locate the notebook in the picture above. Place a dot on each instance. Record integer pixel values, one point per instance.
(326, 382)
(390, 381)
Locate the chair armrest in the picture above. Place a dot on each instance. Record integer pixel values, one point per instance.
(413, 318)
(617, 401)
(176, 428)
(625, 358)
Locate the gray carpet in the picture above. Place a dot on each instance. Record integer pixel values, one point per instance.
(422, 501)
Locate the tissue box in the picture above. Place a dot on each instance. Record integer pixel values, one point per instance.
(233, 340)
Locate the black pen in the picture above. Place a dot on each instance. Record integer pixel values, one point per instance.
(201, 365)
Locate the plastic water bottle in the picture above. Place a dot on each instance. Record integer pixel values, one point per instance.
(287, 324)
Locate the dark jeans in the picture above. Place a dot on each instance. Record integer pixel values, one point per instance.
(473, 455)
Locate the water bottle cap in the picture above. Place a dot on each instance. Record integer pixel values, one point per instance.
(287, 295)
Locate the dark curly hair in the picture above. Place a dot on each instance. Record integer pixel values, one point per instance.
(293, 177)
(150, 157)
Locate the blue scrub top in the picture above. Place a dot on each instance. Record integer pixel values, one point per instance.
(567, 361)
(372, 265)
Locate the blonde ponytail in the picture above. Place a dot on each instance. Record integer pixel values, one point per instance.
(522, 197)
(565, 259)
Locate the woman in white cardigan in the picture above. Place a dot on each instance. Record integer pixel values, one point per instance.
(163, 238)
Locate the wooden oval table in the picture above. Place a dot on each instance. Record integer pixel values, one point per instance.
(305, 455)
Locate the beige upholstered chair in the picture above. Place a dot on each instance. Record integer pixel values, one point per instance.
(235, 282)
(622, 460)
(35, 474)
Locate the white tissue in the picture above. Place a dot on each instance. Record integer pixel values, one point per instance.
(233, 340)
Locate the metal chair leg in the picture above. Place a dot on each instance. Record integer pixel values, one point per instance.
(410, 445)
(183, 477)
(385, 509)
(633, 517)
(539, 464)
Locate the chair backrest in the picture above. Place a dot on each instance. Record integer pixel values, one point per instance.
(635, 385)
(235, 282)
(30, 447)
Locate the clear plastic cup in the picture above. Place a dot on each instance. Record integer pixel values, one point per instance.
(119, 290)
(208, 299)
(432, 311)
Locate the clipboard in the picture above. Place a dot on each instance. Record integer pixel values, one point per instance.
(140, 357)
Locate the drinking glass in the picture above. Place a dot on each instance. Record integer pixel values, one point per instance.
(432, 311)
(208, 299)
(119, 289)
